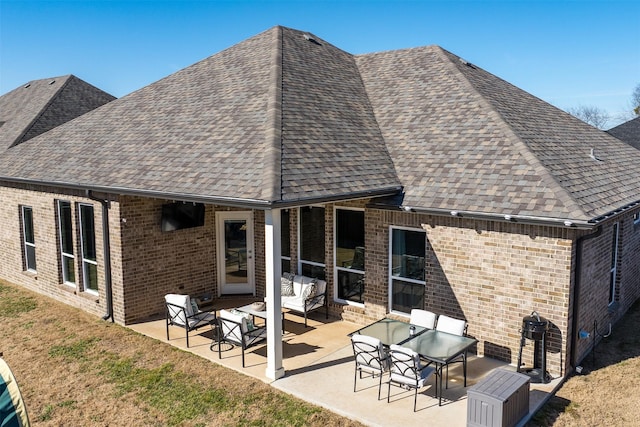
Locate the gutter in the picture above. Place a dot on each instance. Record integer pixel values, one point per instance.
(107, 253)
(217, 200)
(475, 215)
(576, 293)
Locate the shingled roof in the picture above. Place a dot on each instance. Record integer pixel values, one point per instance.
(41, 105)
(463, 139)
(224, 130)
(286, 118)
(628, 132)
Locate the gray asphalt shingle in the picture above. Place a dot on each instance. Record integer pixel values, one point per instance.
(280, 118)
(221, 129)
(41, 105)
(463, 139)
(628, 132)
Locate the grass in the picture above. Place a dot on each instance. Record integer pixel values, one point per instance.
(607, 392)
(74, 369)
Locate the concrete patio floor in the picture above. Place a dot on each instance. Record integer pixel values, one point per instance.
(319, 369)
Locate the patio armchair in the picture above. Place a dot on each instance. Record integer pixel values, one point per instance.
(455, 327)
(238, 329)
(407, 372)
(424, 318)
(182, 311)
(305, 295)
(370, 357)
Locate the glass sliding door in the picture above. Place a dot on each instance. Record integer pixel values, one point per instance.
(235, 252)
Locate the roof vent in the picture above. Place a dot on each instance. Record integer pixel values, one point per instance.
(27, 85)
(592, 154)
(311, 39)
(52, 82)
(467, 63)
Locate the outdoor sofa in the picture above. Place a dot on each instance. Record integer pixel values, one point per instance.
(303, 294)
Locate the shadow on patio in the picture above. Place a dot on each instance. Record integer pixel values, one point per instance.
(319, 368)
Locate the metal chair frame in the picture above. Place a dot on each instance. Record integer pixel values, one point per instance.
(406, 363)
(179, 312)
(369, 358)
(229, 331)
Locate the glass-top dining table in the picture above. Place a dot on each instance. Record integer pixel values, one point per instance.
(438, 347)
(390, 331)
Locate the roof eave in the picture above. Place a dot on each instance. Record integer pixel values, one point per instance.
(217, 200)
(519, 219)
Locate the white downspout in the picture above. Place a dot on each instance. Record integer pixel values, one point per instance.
(273, 272)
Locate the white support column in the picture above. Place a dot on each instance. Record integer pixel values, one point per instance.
(273, 272)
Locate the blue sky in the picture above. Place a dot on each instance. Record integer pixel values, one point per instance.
(568, 53)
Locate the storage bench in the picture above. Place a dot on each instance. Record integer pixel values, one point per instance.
(499, 400)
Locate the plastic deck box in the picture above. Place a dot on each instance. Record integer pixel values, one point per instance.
(499, 400)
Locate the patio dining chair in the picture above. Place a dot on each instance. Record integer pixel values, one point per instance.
(452, 326)
(370, 357)
(183, 311)
(238, 329)
(424, 318)
(407, 372)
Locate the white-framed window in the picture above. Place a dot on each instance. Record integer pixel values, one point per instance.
(636, 218)
(311, 238)
(285, 240)
(349, 255)
(65, 234)
(407, 252)
(614, 263)
(88, 245)
(28, 238)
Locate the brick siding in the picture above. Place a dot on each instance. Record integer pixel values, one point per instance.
(48, 278)
(490, 273)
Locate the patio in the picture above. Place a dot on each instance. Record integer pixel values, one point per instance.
(319, 366)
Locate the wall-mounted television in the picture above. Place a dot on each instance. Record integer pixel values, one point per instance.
(178, 215)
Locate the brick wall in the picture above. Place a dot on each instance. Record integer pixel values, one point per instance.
(155, 263)
(491, 274)
(593, 295)
(48, 278)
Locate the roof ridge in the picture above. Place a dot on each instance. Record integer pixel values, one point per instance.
(273, 154)
(532, 160)
(67, 78)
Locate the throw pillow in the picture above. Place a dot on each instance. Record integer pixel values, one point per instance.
(248, 319)
(194, 306)
(250, 325)
(286, 289)
(310, 290)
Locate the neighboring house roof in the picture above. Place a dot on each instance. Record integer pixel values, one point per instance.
(462, 139)
(628, 132)
(285, 117)
(224, 129)
(41, 105)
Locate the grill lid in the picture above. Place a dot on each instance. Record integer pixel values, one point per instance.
(534, 323)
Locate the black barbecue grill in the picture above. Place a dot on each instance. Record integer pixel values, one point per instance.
(535, 328)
